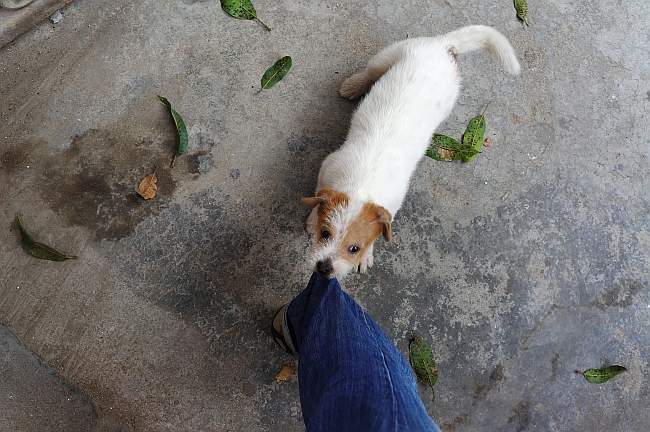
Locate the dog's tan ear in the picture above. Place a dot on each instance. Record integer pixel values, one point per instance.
(384, 219)
(312, 202)
(325, 196)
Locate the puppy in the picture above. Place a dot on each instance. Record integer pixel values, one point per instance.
(361, 186)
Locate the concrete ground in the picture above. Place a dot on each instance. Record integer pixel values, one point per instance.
(518, 268)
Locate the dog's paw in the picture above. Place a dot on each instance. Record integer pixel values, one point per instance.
(365, 263)
(355, 86)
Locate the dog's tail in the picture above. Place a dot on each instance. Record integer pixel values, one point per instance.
(477, 36)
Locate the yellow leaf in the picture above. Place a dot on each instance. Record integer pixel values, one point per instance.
(286, 372)
(148, 186)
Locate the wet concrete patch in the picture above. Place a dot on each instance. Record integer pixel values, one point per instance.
(14, 159)
(93, 182)
(620, 294)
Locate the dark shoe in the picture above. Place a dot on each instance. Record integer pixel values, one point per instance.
(278, 332)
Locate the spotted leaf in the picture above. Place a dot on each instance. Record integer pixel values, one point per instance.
(241, 9)
(275, 73)
(444, 148)
(473, 136)
(422, 362)
(522, 8)
(599, 376)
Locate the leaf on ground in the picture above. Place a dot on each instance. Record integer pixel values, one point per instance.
(148, 188)
(447, 149)
(39, 250)
(275, 73)
(487, 142)
(180, 127)
(599, 376)
(422, 362)
(473, 136)
(286, 372)
(241, 9)
(522, 8)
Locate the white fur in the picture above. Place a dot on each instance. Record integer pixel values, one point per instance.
(415, 84)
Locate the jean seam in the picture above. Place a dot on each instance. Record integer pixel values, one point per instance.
(387, 369)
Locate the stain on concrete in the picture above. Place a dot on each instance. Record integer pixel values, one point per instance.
(619, 295)
(485, 386)
(15, 159)
(554, 362)
(249, 389)
(93, 182)
(520, 419)
(497, 374)
(456, 424)
(193, 162)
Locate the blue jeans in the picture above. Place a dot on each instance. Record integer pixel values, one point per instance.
(351, 375)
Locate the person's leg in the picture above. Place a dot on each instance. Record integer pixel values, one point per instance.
(351, 376)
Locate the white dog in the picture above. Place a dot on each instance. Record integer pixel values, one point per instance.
(362, 185)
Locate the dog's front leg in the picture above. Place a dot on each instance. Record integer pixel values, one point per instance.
(366, 260)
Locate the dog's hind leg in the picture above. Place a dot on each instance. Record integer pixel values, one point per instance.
(358, 84)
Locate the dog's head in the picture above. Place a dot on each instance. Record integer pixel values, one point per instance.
(344, 230)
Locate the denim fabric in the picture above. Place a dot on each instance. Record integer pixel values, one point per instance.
(351, 375)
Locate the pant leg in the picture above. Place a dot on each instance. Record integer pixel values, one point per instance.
(351, 375)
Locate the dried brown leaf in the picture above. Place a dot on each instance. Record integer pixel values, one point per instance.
(148, 188)
(286, 372)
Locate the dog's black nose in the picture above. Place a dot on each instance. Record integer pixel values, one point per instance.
(324, 267)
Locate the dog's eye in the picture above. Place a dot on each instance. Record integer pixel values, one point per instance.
(325, 234)
(353, 249)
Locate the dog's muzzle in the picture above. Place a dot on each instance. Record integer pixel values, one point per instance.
(324, 267)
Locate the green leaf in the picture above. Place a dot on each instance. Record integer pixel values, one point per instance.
(522, 8)
(444, 148)
(599, 376)
(422, 362)
(180, 127)
(40, 250)
(241, 9)
(275, 73)
(473, 136)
